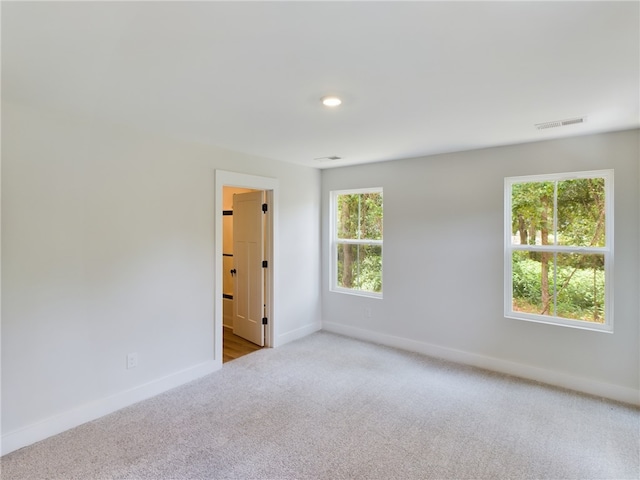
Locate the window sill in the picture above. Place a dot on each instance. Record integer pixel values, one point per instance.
(357, 293)
(561, 322)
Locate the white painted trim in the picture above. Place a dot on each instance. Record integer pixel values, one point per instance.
(91, 411)
(270, 185)
(550, 377)
(298, 333)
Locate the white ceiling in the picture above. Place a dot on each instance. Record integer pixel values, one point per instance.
(416, 78)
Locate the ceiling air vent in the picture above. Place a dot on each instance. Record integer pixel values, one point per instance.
(561, 123)
(324, 159)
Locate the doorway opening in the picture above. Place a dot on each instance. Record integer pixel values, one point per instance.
(245, 252)
(242, 272)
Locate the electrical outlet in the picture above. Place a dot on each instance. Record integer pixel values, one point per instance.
(367, 312)
(132, 360)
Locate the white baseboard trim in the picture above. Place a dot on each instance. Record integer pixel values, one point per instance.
(59, 423)
(559, 379)
(297, 334)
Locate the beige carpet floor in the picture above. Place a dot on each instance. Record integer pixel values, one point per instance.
(329, 407)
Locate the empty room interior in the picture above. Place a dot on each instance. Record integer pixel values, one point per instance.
(320, 240)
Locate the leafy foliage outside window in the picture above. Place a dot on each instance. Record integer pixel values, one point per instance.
(357, 240)
(558, 248)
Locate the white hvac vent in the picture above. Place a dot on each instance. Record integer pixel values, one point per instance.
(561, 123)
(324, 159)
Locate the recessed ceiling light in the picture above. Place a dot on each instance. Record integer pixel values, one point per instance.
(331, 101)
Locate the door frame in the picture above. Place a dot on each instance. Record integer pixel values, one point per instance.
(225, 178)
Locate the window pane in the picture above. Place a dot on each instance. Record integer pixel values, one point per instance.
(532, 290)
(580, 287)
(347, 255)
(532, 213)
(371, 216)
(359, 267)
(347, 216)
(370, 274)
(571, 286)
(581, 212)
(359, 216)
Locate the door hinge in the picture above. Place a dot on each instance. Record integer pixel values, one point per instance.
(264, 208)
(265, 264)
(264, 320)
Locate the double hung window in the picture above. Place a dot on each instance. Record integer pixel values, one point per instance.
(356, 241)
(559, 249)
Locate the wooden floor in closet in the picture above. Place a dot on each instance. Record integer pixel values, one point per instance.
(234, 346)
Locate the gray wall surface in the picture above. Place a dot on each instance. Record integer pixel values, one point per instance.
(443, 264)
(108, 248)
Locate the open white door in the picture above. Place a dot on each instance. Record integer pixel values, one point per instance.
(248, 254)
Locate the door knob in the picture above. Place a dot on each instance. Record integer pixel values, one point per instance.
(233, 272)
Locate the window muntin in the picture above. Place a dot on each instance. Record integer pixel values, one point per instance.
(356, 241)
(559, 249)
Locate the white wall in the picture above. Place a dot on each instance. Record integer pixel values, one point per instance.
(443, 264)
(108, 248)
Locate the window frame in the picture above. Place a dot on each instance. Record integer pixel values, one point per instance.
(334, 241)
(607, 250)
